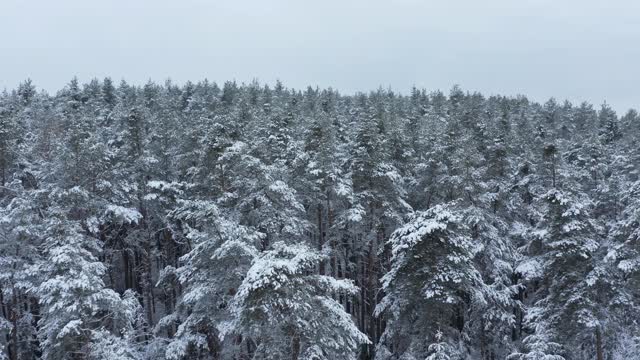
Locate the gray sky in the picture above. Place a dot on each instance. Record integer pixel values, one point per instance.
(570, 49)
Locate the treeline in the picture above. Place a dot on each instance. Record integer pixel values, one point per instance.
(250, 222)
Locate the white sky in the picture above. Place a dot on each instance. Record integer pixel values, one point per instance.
(569, 49)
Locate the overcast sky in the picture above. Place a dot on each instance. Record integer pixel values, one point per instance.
(570, 49)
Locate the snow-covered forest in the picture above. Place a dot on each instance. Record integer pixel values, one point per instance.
(243, 221)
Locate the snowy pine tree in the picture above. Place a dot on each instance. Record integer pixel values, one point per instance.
(179, 221)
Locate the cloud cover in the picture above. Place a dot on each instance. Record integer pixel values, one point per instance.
(576, 50)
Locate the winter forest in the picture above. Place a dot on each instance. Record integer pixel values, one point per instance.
(247, 221)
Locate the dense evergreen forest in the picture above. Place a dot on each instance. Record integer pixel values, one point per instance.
(244, 221)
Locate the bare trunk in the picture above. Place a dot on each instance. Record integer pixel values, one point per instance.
(127, 269)
(295, 347)
(14, 331)
(321, 233)
(599, 352)
(553, 170)
(11, 351)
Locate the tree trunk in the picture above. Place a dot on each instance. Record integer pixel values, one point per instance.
(14, 321)
(553, 170)
(295, 347)
(3, 175)
(599, 352)
(127, 269)
(5, 313)
(321, 233)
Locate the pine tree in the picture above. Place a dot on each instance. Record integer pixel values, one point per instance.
(539, 346)
(210, 275)
(183, 221)
(569, 254)
(608, 124)
(288, 312)
(73, 298)
(432, 278)
(439, 350)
